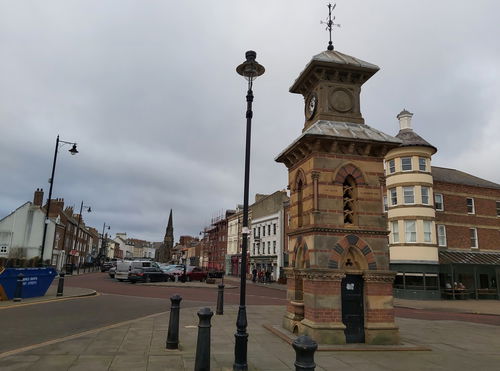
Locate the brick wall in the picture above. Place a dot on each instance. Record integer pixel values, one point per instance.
(458, 221)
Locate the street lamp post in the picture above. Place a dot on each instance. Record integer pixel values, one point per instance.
(82, 206)
(73, 151)
(103, 246)
(249, 69)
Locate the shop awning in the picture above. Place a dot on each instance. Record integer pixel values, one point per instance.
(468, 257)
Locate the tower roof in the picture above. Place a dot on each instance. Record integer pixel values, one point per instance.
(332, 59)
(409, 139)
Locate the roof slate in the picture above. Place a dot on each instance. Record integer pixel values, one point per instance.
(445, 175)
(410, 138)
(343, 130)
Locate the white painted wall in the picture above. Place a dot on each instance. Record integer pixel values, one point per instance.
(23, 229)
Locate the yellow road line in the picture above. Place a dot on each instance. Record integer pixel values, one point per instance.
(75, 336)
(49, 301)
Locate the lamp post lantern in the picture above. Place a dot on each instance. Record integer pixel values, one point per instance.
(73, 151)
(250, 70)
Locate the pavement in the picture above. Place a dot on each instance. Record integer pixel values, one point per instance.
(140, 345)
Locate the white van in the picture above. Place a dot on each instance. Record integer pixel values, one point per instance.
(122, 269)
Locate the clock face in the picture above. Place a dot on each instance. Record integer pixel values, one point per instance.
(311, 104)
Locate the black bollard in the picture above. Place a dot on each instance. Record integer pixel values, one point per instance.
(304, 348)
(202, 362)
(60, 285)
(220, 300)
(18, 295)
(173, 324)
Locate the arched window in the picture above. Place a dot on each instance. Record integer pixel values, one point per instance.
(349, 199)
(300, 207)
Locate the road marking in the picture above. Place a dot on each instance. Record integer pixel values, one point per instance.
(49, 301)
(74, 336)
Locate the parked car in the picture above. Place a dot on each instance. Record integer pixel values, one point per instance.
(112, 272)
(192, 274)
(146, 273)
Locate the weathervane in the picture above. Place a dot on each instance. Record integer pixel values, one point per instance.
(330, 23)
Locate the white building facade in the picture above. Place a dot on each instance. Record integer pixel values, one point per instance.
(21, 233)
(266, 252)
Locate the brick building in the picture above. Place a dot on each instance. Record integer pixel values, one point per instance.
(215, 248)
(444, 224)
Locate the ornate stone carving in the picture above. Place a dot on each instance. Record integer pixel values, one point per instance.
(379, 276)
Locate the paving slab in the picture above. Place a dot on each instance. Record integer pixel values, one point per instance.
(140, 345)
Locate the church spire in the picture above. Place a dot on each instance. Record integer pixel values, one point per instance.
(170, 223)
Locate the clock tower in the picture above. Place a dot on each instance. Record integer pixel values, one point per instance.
(339, 283)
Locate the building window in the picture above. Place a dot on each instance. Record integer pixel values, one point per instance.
(392, 166)
(269, 247)
(441, 232)
(422, 164)
(410, 231)
(395, 231)
(409, 196)
(269, 229)
(349, 190)
(394, 196)
(386, 207)
(470, 206)
(274, 229)
(425, 195)
(498, 208)
(406, 163)
(263, 231)
(427, 231)
(300, 205)
(473, 238)
(258, 249)
(438, 201)
(274, 247)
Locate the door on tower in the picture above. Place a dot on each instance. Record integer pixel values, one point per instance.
(352, 308)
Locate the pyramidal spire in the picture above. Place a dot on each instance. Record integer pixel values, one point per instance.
(170, 222)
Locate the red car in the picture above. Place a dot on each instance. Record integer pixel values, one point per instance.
(192, 274)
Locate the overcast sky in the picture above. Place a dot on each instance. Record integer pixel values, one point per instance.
(148, 90)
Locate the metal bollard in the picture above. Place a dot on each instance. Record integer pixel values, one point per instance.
(202, 362)
(304, 348)
(18, 295)
(173, 324)
(220, 300)
(60, 285)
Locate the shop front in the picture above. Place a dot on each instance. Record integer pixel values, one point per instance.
(265, 264)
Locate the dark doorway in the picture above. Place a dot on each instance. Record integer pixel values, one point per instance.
(352, 308)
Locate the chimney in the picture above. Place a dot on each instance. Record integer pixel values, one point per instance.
(404, 118)
(38, 197)
(56, 207)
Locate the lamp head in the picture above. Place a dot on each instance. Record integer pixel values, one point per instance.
(250, 69)
(73, 150)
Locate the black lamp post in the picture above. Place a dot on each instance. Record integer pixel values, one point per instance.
(249, 69)
(73, 151)
(103, 253)
(82, 206)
